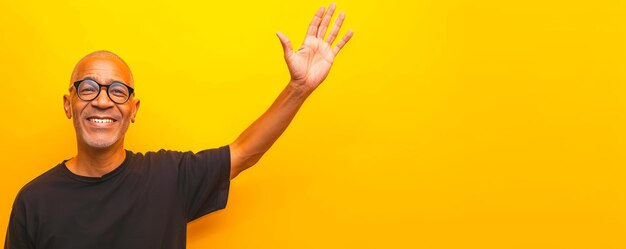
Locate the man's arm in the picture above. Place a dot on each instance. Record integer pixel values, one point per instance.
(17, 235)
(308, 67)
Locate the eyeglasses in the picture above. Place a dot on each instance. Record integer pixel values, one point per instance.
(88, 90)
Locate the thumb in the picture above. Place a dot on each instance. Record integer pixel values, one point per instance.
(287, 49)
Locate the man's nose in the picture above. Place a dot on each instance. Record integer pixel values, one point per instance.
(102, 101)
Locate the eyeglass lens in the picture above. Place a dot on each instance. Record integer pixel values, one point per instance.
(88, 90)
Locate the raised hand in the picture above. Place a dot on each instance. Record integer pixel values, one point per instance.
(310, 65)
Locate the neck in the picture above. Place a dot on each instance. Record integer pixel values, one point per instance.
(96, 162)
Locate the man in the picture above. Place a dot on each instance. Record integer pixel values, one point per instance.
(109, 197)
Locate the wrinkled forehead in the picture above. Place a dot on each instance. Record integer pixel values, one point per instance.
(103, 68)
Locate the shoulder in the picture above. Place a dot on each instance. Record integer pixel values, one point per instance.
(175, 159)
(42, 184)
(174, 156)
(160, 157)
(156, 162)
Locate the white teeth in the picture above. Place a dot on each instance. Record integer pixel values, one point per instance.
(98, 120)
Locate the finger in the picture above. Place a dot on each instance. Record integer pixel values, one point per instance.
(343, 42)
(321, 32)
(336, 27)
(284, 41)
(315, 23)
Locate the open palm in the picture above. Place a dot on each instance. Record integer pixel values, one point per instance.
(310, 65)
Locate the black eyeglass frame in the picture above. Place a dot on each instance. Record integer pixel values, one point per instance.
(131, 91)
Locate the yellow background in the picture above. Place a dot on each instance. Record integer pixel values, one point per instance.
(443, 124)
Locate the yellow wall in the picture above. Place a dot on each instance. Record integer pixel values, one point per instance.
(443, 124)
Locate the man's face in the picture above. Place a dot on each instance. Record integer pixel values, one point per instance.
(100, 123)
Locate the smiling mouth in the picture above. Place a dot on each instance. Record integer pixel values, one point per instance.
(101, 120)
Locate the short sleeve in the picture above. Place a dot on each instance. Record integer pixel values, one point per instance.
(17, 235)
(204, 180)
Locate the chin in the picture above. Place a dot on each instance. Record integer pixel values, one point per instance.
(100, 143)
(99, 139)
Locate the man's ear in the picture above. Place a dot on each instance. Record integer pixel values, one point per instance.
(132, 118)
(67, 106)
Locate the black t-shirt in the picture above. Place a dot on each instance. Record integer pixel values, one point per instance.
(146, 202)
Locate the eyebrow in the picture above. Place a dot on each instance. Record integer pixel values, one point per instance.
(113, 81)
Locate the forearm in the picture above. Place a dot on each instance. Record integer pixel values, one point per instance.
(250, 146)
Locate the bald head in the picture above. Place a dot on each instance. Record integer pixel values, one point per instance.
(103, 66)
